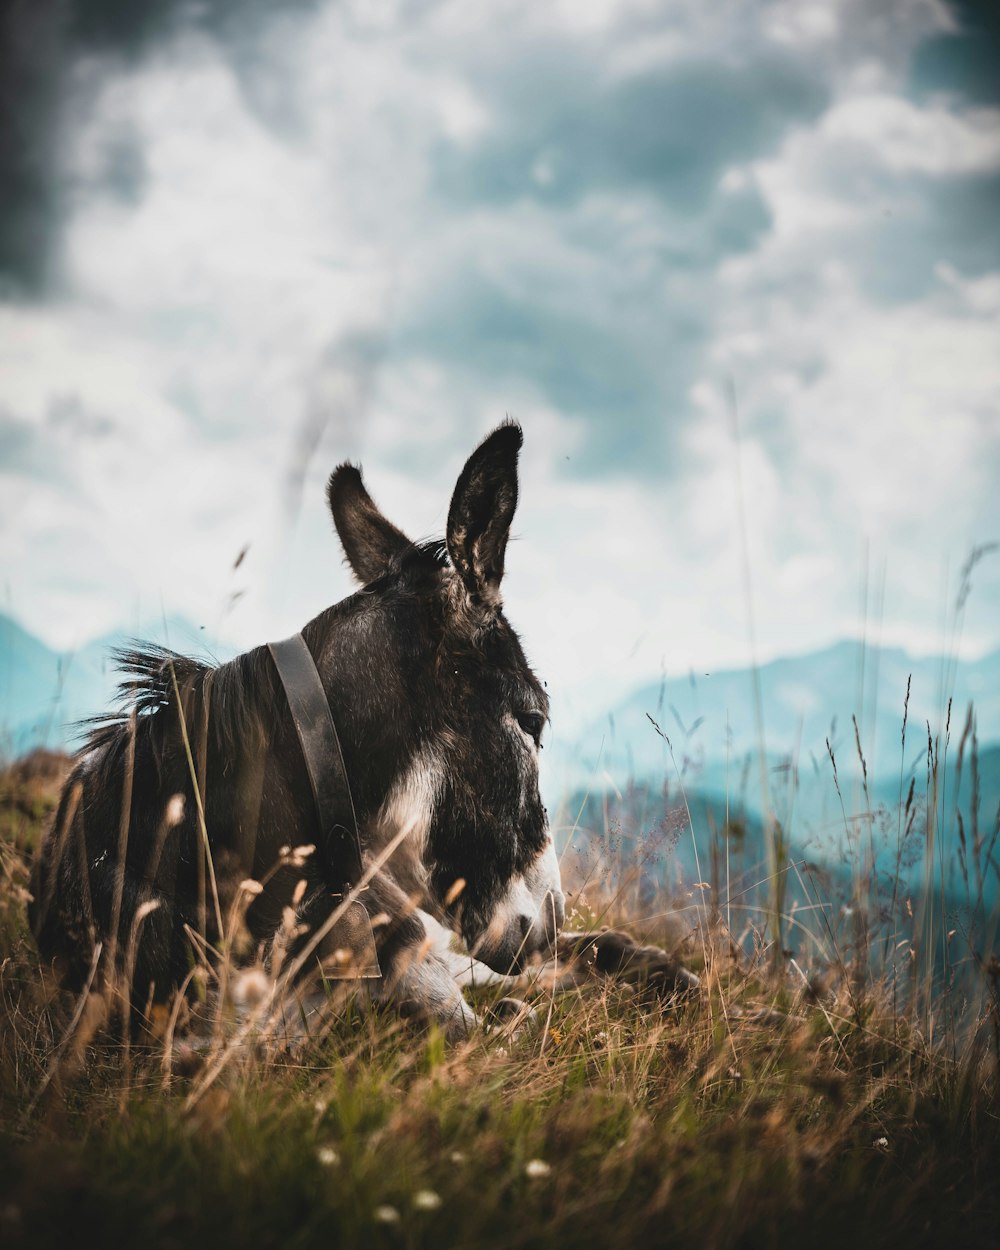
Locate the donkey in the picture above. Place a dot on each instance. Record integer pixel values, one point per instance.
(198, 782)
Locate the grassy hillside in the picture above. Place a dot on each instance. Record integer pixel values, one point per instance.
(789, 1102)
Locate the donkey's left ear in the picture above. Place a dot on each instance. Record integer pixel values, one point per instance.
(370, 540)
(481, 511)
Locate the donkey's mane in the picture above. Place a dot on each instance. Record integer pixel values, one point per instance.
(241, 695)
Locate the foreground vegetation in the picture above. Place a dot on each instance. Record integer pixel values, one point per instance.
(780, 1105)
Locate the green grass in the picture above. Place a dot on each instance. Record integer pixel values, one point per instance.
(753, 1117)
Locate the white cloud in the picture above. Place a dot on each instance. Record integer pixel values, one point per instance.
(980, 295)
(847, 36)
(904, 137)
(802, 23)
(889, 440)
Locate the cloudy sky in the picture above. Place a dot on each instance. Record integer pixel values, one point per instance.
(242, 241)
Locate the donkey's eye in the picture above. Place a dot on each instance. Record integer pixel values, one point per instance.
(532, 723)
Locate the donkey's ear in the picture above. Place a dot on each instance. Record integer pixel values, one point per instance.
(370, 541)
(481, 511)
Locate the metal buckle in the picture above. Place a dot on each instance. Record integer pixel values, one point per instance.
(348, 952)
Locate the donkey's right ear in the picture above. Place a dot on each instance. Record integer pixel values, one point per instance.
(481, 511)
(370, 541)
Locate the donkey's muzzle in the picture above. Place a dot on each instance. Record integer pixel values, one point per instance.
(527, 918)
(516, 938)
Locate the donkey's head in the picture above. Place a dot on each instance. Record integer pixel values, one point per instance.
(445, 714)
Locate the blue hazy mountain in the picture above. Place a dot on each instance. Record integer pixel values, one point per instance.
(661, 797)
(43, 693)
(674, 825)
(708, 726)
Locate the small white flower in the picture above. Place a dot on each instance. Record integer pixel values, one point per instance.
(251, 987)
(537, 1169)
(882, 1143)
(386, 1215)
(328, 1156)
(320, 1106)
(459, 1157)
(426, 1200)
(175, 810)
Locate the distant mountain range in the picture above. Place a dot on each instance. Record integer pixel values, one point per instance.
(632, 783)
(648, 824)
(706, 723)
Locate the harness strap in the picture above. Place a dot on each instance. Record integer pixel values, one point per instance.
(313, 720)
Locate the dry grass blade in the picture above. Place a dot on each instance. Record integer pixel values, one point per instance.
(281, 985)
(70, 1035)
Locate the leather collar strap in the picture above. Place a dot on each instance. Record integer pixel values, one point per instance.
(313, 722)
